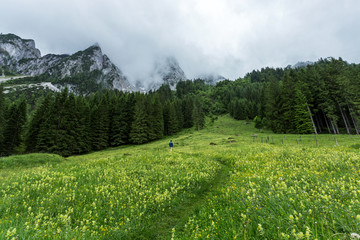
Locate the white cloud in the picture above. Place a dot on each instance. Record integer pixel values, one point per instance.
(229, 37)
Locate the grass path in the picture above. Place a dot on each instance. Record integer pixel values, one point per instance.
(179, 215)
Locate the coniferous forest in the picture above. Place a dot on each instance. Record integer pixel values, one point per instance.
(319, 98)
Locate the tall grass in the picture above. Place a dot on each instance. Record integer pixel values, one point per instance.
(218, 183)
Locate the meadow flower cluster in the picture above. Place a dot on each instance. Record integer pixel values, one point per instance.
(284, 193)
(110, 198)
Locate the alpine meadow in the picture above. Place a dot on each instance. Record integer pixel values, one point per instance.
(86, 155)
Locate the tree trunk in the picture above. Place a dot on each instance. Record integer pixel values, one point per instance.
(348, 122)
(327, 123)
(312, 120)
(337, 129)
(343, 116)
(354, 121)
(332, 125)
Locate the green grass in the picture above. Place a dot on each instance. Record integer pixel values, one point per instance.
(29, 160)
(218, 183)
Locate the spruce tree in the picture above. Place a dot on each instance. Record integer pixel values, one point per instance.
(187, 108)
(198, 115)
(157, 118)
(13, 132)
(179, 114)
(2, 119)
(37, 119)
(273, 105)
(170, 119)
(302, 118)
(122, 117)
(99, 123)
(288, 102)
(139, 127)
(82, 112)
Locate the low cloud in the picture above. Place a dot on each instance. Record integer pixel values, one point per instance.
(226, 37)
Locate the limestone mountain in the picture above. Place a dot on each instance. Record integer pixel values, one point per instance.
(14, 49)
(21, 57)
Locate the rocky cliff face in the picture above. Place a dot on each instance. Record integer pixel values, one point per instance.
(22, 57)
(13, 49)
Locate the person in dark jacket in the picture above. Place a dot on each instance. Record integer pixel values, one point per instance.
(171, 145)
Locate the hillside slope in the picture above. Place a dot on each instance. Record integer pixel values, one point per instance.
(218, 183)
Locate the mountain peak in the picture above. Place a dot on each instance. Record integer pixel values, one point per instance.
(167, 71)
(96, 45)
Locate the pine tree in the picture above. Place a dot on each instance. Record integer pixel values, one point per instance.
(2, 119)
(179, 114)
(83, 128)
(288, 102)
(139, 127)
(198, 115)
(71, 138)
(302, 119)
(38, 118)
(170, 120)
(60, 143)
(157, 125)
(187, 109)
(13, 132)
(273, 105)
(118, 133)
(99, 122)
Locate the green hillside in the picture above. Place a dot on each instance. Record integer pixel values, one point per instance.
(218, 183)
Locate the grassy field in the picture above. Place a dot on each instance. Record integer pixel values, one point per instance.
(218, 183)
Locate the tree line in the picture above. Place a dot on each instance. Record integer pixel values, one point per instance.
(68, 124)
(320, 98)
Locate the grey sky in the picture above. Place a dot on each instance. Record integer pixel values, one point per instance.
(228, 37)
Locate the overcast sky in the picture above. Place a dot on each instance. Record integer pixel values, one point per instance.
(228, 37)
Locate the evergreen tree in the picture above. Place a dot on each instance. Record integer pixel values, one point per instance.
(139, 127)
(13, 132)
(119, 126)
(198, 115)
(59, 129)
(273, 105)
(38, 118)
(2, 119)
(157, 119)
(165, 93)
(170, 119)
(83, 129)
(302, 118)
(99, 122)
(187, 108)
(288, 102)
(179, 114)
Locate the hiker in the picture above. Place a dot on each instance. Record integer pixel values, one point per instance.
(171, 145)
